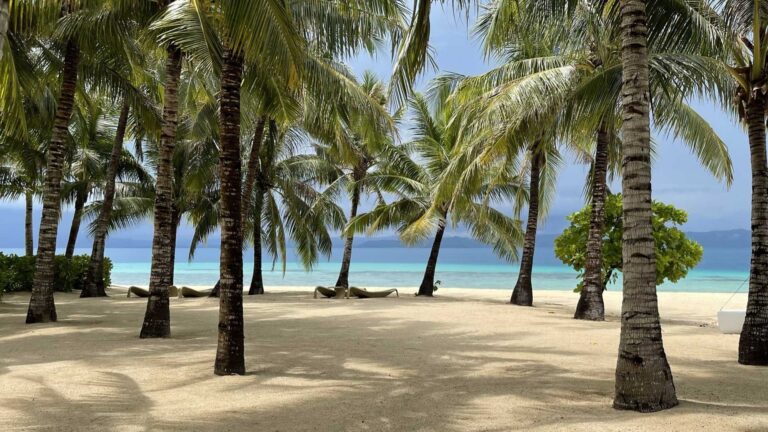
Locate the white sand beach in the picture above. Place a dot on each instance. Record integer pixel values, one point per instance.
(463, 361)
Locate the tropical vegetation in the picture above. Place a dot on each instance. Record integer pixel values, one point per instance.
(242, 118)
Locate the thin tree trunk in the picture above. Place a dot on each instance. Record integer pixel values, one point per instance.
(176, 221)
(94, 279)
(252, 172)
(427, 286)
(41, 304)
(257, 282)
(753, 344)
(346, 260)
(590, 306)
(522, 295)
(643, 376)
(77, 217)
(157, 318)
(29, 242)
(4, 19)
(230, 356)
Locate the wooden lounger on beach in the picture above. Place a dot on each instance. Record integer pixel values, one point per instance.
(138, 292)
(189, 292)
(141, 292)
(331, 292)
(363, 293)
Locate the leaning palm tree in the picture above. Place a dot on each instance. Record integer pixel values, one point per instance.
(589, 99)
(412, 173)
(357, 147)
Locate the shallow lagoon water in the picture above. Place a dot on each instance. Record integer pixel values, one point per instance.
(721, 269)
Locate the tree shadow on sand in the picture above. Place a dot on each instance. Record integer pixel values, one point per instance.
(399, 372)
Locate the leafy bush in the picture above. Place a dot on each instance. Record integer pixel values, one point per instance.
(17, 272)
(675, 253)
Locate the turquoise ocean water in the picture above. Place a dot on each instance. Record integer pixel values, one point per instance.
(721, 269)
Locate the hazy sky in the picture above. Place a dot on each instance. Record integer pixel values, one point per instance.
(677, 177)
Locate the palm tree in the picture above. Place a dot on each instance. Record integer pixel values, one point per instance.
(744, 29)
(412, 174)
(643, 376)
(356, 149)
(285, 205)
(41, 304)
(94, 285)
(74, 39)
(571, 68)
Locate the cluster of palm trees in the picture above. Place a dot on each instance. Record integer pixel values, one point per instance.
(244, 119)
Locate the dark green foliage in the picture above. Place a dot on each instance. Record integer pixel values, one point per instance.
(675, 253)
(16, 272)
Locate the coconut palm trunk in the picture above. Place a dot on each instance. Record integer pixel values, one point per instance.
(230, 357)
(257, 282)
(157, 318)
(77, 217)
(41, 304)
(252, 173)
(753, 344)
(94, 279)
(253, 169)
(4, 19)
(643, 376)
(175, 222)
(427, 286)
(29, 241)
(590, 306)
(346, 260)
(522, 294)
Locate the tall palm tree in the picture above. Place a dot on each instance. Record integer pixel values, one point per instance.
(643, 376)
(94, 285)
(41, 304)
(73, 38)
(745, 24)
(356, 149)
(412, 174)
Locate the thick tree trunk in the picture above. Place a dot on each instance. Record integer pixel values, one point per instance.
(346, 260)
(257, 282)
(427, 286)
(29, 241)
(94, 279)
(41, 304)
(590, 306)
(157, 318)
(4, 19)
(230, 356)
(522, 295)
(643, 376)
(753, 344)
(77, 217)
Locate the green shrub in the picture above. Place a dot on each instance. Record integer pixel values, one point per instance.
(17, 272)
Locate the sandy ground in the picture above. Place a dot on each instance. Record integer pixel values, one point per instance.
(464, 361)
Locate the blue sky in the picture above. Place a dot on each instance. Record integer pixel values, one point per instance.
(677, 177)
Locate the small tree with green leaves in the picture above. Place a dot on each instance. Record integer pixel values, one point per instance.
(675, 253)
